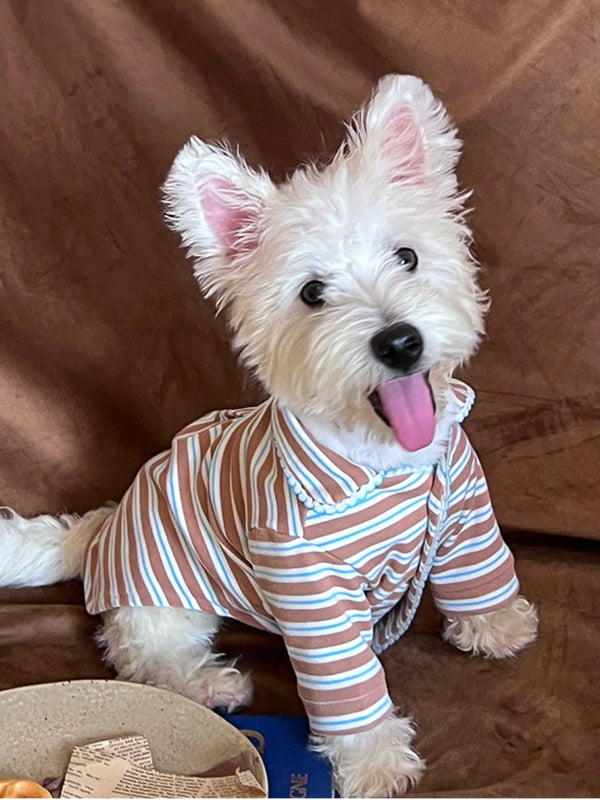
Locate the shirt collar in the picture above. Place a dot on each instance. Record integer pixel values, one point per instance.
(323, 479)
(460, 399)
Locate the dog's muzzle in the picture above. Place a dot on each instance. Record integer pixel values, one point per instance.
(406, 402)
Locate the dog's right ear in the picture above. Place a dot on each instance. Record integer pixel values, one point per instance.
(214, 200)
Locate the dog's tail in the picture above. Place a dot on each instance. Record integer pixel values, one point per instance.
(45, 549)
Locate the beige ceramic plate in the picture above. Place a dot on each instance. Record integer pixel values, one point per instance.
(41, 724)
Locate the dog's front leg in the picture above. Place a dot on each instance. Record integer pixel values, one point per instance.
(376, 763)
(326, 620)
(497, 634)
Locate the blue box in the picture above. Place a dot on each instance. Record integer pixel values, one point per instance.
(292, 769)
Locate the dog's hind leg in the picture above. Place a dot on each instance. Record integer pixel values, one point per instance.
(172, 648)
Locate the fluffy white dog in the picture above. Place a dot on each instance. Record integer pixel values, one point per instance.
(321, 513)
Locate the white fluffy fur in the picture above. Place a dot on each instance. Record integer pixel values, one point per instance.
(172, 648)
(340, 225)
(392, 184)
(45, 549)
(498, 634)
(377, 763)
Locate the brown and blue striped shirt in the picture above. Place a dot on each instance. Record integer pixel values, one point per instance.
(247, 516)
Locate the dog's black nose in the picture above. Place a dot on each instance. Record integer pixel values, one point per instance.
(399, 346)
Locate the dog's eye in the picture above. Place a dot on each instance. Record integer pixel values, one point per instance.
(407, 258)
(312, 293)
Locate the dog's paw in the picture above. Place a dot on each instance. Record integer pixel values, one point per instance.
(222, 687)
(375, 763)
(497, 634)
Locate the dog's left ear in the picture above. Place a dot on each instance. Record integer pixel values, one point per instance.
(405, 132)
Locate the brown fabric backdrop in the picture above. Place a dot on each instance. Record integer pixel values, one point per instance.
(107, 349)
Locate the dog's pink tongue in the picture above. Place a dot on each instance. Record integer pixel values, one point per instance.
(409, 408)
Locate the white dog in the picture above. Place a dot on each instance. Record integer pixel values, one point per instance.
(321, 513)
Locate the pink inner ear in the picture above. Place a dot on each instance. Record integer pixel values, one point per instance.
(228, 211)
(404, 144)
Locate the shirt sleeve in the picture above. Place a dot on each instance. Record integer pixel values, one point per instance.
(473, 570)
(325, 618)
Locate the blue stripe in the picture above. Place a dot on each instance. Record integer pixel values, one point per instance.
(308, 573)
(395, 516)
(168, 559)
(477, 516)
(416, 540)
(374, 498)
(478, 569)
(315, 600)
(125, 560)
(475, 603)
(470, 491)
(151, 583)
(308, 445)
(328, 722)
(256, 463)
(351, 617)
(310, 657)
(277, 548)
(175, 497)
(469, 546)
(329, 682)
(209, 541)
(457, 468)
(269, 497)
(298, 468)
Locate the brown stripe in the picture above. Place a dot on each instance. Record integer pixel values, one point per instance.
(466, 475)
(196, 534)
(327, 639)
(342, 731)
(281, 494)
(359, 660)
(270, 469)
(147, 489)
(355, 472)
(119, 555)
(329, 704)
(327, 482)
(473, 557)
(348, 700)
(309, 586)
(193, 533)
(332, 525)
(358, 697)
(128, 528)
(94, 599)
(460, 391)
(502, 603)
(486, 526)
(389, 587)
(229, 486)
(188, 482)
(326, 614)
(393, 561)
(469, 589)
(356, 547)
(254, 441)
